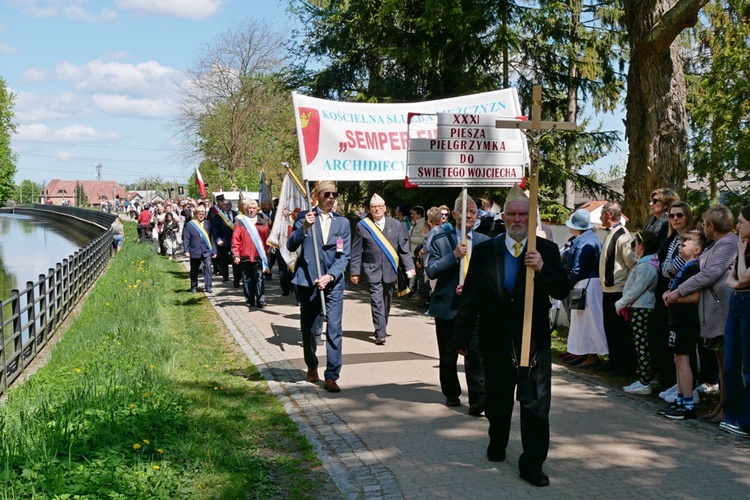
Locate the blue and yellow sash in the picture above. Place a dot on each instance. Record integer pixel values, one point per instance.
(255, 236)
(203, 234)
(382, 242)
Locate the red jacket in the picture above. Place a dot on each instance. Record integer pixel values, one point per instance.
(242, 244)
(144, 218)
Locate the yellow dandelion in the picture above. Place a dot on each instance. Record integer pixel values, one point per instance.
(132, 405)
(159, 450)
(125, 281)
(153, 367)
(137, 446)
(156, 467)
(135, 286)
(78, 370)
(205, 366)
(216, 388)
(138, 281)
(145, 394)
(143, 262)
(146, 441)
(106, 304)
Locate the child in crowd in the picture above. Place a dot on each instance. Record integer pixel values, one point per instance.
(684, 327)
(638, 299)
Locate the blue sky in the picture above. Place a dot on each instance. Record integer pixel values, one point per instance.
(95, 80)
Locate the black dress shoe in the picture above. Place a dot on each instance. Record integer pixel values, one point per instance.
(380, 341)
(494, 455)
(209, 290)
(535, 478)
(261, 305)
(193, 290)
(476, 409)
(452, 402)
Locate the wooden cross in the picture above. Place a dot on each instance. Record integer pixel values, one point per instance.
(535, 128)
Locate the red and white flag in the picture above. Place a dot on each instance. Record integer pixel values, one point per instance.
(199, 181)
(291, 201)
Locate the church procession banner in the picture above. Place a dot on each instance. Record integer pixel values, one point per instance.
(345, 141)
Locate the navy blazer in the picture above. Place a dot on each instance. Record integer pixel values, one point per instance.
(331, 261)
(220, 230)
(193, 242)
(499, 312)
(443, 266)
(367, 254)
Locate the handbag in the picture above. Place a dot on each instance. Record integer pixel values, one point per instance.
(577, 298)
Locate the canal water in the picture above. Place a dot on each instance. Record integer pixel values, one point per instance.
(30, 246)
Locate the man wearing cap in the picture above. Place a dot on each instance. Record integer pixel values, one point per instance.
(222, 226)
(447, 250)
(379, 247)
(493, 294)
(330, 233)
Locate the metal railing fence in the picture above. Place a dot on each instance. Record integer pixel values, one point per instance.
(30, 317)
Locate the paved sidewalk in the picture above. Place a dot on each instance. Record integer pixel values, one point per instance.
(388, 435)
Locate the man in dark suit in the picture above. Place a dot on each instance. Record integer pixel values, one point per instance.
(332, 237)
(199, 247)
(222, 226)
(494, 293)
(447, 250)
(379, 246)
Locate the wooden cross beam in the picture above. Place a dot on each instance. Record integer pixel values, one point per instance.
(535, 127)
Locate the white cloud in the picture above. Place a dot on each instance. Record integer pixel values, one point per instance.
(7, 50)
(121, 105)
(39, 132)
(120, 55)
(72, 9)
(188, 9)
(146, 79)
(34, 75)
(64, 155)
(33, 107)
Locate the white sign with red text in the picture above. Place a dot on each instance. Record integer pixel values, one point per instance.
(346, 141)
(468, 151)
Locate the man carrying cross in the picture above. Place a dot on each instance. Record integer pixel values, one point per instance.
(379, 247)
(494, 294)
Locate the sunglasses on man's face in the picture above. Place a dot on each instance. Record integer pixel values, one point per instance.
(654, 201)
(677, 215)
(444, 214)
(328, 194)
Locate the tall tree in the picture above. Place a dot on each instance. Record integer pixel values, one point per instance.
(719, 98)
(7, 157)
(656, 125)
(235, 111)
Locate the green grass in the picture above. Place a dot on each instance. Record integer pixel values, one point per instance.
(146, 395)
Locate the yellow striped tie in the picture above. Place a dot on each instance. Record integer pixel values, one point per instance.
(517, 248)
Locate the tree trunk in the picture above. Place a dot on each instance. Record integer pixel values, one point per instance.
(656, 126)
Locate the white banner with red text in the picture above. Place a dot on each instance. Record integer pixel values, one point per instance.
(349, 141)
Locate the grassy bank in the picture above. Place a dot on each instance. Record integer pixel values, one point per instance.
(147, 396)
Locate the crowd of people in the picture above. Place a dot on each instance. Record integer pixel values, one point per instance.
(666, 305)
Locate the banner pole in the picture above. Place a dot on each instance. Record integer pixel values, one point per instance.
(317, 256)
(462, 265)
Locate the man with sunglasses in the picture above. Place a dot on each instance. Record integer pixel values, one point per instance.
(380, 247)
(332, 239)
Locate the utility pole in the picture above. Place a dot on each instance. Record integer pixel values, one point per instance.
(98, 167)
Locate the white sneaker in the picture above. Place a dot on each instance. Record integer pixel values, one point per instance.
(672, 391)
(637, 388)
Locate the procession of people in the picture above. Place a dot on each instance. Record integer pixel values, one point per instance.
(474, 270)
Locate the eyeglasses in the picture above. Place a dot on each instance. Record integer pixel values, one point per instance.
(677, 215)
(444, 214)
(654, 201)
(328, 194)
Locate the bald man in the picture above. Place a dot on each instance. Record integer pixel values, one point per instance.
(380, 246)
